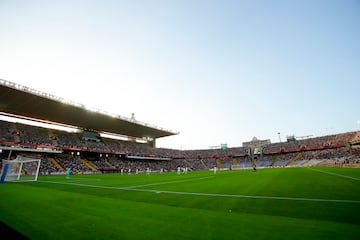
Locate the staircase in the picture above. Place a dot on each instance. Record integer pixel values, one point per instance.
(188, 163)
(108, 163)
(275, 160)
(218, 163)
(296, 157)
(53, 161)
(234, 161)
(202, 162)
(89, 165)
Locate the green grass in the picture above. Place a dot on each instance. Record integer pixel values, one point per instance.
(295, 203)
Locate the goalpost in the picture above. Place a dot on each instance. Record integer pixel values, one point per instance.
(20, 169)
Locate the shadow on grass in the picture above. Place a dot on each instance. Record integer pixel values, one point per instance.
(8, 233)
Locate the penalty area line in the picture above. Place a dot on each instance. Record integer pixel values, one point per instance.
(210, 194)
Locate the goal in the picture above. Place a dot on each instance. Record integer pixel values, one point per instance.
(20, 169)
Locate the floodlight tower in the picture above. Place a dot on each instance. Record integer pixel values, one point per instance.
(279, 137)
(132, 117)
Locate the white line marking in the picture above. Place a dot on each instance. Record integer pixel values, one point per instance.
(96, 179)
(335, 174)
(263, 197)
(163, 183)
(211, 194)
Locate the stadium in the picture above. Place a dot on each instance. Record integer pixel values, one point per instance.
(81, 173)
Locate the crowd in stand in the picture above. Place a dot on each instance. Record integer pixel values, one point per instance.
(116, 154)
(5, 132)
(48, 167)
(312, 143)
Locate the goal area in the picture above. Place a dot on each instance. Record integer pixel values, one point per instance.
(21, 169)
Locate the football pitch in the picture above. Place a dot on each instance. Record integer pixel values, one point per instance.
(279, 203)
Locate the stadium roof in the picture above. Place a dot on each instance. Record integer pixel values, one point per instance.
(26, 102)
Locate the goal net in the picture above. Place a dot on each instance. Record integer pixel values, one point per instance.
(20, 169)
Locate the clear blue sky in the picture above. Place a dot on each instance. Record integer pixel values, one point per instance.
(216, 71)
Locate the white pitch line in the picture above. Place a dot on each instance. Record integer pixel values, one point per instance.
(96, 179)
(163, 183)
(335, 174)
(263, 197)
(210, 194)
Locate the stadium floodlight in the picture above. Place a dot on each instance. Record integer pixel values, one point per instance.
(20, 169)
(279, 137)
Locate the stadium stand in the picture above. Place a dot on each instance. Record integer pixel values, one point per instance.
(109, 155)
(85, 151)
